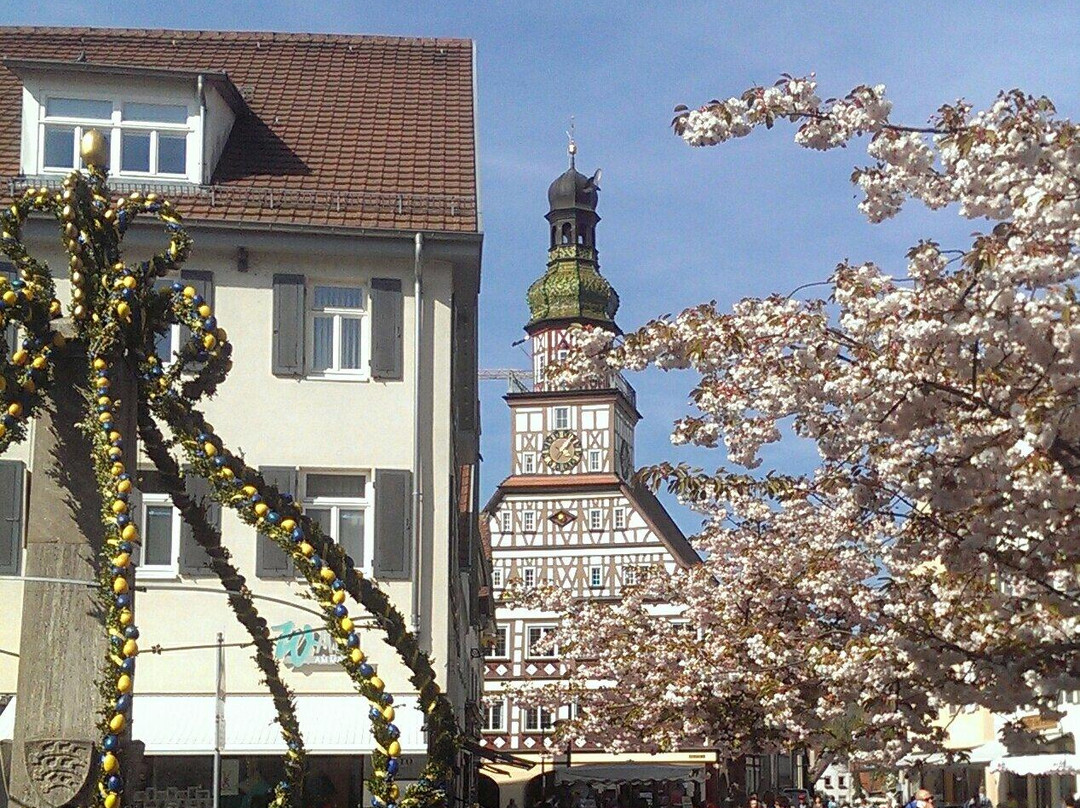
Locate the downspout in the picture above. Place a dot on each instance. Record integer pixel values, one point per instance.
(417, 470)
(202, 133)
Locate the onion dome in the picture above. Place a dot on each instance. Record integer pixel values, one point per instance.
(572, 289)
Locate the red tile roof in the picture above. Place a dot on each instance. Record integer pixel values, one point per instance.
(352, 131)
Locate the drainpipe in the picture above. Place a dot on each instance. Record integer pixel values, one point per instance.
(200, 89)
(417, 492)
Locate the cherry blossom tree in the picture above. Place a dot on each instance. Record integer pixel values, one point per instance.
(931, 557)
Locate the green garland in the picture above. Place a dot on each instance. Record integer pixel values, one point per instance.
(118, 313)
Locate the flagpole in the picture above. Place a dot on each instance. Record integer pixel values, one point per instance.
(219, 716)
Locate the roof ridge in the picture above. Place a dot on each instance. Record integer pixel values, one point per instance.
(197, 33)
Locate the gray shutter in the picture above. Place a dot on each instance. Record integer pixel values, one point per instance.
(12, 475)
(203, 284)
(11, 333)
(393, 524)
(288, 344)
(387, 329)
(270, 560)
(194, 560)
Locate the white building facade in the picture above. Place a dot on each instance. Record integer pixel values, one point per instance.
(337, 237)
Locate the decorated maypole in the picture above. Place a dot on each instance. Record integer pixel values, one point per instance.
(102, 364)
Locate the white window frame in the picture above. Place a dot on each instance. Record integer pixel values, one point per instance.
(630, 574)
(362, 373)
(496, 578)
(528, 463)
(530, 522)
(618, 521)
(560, 418)
(596, 460)
(115, 126)
(534, 716)
(488, 725)
(337, 504)
(529, 654)
(529, 577)
(595, 519)
(504, 631)
(596, 577)
(159, 571)
(506, 521)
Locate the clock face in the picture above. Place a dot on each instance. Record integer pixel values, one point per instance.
(562, 449)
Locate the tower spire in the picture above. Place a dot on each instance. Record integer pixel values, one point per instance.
(571, 146)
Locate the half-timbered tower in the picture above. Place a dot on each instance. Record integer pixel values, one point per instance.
(570, 512)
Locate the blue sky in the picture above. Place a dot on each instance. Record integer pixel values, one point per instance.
(680, 225)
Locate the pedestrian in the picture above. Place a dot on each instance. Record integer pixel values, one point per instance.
(922, 799)
(752, 800)
(512, 803)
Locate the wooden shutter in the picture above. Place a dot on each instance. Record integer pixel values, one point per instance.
(12, 478)
(393, 524)
(387, 329)
(11, 333)
(203, 284)
(270, 560)
(194, 560)
(288, 343)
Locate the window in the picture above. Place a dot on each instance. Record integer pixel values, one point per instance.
(594, 460)
(496, 578)
(144, 138)
(562, 418)
(539, 645)
(537, 719)
(159, 524)
(505, 521)
(629, 575)
(528, 521)
(336, 327)
(620, 518)
(339, 504)
(499, 648)
(528, 463)
(175, 334)
(596, 519)
(528, 577)
(841, 781)
(494, 717)
(596, 577)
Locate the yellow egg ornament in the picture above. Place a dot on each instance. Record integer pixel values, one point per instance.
(120, 585)
(109, 762)
(131, 648)
(112, 800)
(346, 624)
(376, 682)
(116, 723)
(123, 684)
(394, 749)
(356, 656)
(328, 575)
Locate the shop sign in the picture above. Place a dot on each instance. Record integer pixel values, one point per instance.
(304, 647)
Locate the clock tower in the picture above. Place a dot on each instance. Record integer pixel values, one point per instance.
(566, 431)
(571, 513)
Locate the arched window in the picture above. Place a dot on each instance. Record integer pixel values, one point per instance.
(554, 231)
(567, 233)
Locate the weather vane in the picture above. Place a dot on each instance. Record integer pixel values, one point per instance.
(571, 146)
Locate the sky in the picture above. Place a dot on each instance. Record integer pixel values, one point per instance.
(679, 225)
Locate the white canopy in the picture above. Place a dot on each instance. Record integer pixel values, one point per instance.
(184, 725)
(1053, 763)
(631, 772)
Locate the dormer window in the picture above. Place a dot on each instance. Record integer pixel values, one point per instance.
(146, 139)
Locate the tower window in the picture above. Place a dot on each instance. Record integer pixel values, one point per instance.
(562, 417)
(528, 463)
(594, 460)
(620, 518)
(567, 233)
(554, 232)
(505, 521)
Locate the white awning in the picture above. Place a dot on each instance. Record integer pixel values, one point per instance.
(184, 725)
(632, 772)
(1054, 763)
